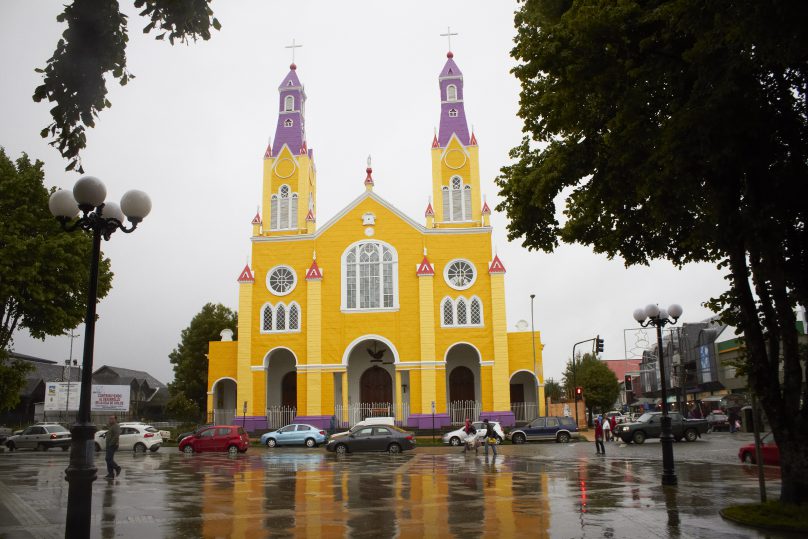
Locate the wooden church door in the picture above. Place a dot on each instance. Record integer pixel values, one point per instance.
(289, 390)
(376, 386)
(461, 385)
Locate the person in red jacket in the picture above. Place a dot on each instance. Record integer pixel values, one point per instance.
(599, 447)
(613, 424)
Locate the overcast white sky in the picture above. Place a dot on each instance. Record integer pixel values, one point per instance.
(192, 128)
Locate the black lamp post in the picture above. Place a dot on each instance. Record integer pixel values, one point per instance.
(100, 219)
(652, 315)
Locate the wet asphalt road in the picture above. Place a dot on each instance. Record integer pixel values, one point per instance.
(533, 490)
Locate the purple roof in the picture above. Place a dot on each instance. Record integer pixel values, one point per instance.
(293, 135)
(452, 112)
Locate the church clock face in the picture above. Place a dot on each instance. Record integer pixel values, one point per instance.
(460, 274)
(281, 280)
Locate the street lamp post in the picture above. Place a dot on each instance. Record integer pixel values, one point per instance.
(84, 209)
(533, 341)
(652, 315)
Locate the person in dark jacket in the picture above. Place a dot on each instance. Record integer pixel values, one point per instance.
(490, 437)
(112, 438)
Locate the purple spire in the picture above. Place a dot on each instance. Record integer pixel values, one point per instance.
(452, 112)
(291, 129)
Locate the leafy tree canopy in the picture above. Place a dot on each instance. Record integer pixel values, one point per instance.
(190, 358)
(552, 390)
(598, 381)
(94, 45)
(678, 129)
(44, 271)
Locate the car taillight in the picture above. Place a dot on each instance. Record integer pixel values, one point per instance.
(148, 435)
(53, 436)
(409, 437)
(322, 433)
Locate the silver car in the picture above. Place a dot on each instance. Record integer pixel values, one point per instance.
(40, 437)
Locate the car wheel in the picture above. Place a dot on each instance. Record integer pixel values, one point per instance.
(518, 438)
(310, 442)
(394, 449)
(341, 449)
(11, 446)
(97, 447)
(455, 441)
(271, 442)
(691, 435)
(232, 451)
(188, 450)
(639, 437)
(64, 448)
(139, 448)
(41, 447)
(747, 458)
(154, 448)
(498, 439)
(563, 437)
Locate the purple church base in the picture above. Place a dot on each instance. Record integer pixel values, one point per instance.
(251, 423)
(424, 421)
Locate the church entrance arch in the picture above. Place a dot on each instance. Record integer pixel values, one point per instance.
(524, 396)
(224, 401)
(281, 387)
(370, 368)
(463, 390)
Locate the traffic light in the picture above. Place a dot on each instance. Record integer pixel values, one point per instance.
(627, 382)
(599, 344)
(579, 393)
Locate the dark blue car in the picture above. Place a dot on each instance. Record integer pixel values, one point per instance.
(561, 429)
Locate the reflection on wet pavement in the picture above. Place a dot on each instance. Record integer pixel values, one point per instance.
(430, 492)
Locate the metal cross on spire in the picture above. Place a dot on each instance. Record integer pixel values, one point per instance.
(449, 35)
(293, 47)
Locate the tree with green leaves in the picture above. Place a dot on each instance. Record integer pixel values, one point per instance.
(553, 390)
(190, 357)
(678, 130)
(93, 46)
(598, 381)
(44, 271)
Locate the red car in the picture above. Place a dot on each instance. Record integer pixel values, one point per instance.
(227, 438)
(768, 450)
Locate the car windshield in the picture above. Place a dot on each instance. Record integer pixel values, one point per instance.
(645, 418)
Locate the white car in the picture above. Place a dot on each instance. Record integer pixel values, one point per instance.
(457, 437)
(165, 434)
(135, 437)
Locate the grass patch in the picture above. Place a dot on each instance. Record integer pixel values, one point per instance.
(770, 515)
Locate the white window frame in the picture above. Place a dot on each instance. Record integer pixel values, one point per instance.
(451, 93)
(455, 303)
(287, 309)
(289, 103)
(446, 274)
(357, 275)
(280, 204)
(294, 282)
(457, 198)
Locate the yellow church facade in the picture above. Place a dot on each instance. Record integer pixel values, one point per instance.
(373, 313)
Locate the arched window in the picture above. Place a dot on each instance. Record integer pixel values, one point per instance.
(370, 276)
(448, 312)
(283, 209)
(452, 113)
(457, 200)
(266, 324)
(451, 93)
(462, 312)
(288, 122)
(280, 318)
(289, 103)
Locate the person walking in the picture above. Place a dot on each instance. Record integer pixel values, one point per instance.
(471, 437)
(112, 438)
(613, 424)
(599, 447)
(607, 429)
(490, 437)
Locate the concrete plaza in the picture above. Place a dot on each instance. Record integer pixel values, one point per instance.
(533, 490)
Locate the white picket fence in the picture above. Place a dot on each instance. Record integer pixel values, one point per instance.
(280, 416)
(460, 410)
(525, 411)
(358, 411)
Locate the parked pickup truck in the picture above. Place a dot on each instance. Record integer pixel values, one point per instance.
(649, 425)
